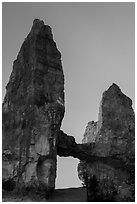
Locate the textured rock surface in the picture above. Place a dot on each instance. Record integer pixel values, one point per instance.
(33, 109)
(113, 136)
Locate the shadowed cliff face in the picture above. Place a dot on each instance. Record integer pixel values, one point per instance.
(113, 136)
(33, 109)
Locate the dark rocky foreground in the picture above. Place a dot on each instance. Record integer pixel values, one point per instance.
(33, 110)
(60, 195)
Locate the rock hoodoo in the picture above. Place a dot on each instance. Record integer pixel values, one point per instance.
(113, 135)
(33, 109)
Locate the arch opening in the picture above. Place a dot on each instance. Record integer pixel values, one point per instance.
(67, 176)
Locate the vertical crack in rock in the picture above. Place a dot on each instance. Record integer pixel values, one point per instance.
(33, 109)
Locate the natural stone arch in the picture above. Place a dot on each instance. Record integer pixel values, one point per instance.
(33, 110)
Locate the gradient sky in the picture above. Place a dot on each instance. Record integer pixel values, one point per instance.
(96, 41)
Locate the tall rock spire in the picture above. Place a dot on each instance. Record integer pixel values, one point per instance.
(33, 109)
(113, 135)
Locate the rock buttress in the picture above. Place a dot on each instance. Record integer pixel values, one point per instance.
(33, 109)
(113, 135)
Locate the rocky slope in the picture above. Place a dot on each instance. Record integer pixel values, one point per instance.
(33, 109)
(113, 135)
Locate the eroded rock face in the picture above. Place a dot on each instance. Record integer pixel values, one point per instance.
(113, 136)
(33, 109)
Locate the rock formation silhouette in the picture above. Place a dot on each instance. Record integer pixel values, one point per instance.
(33, 109)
